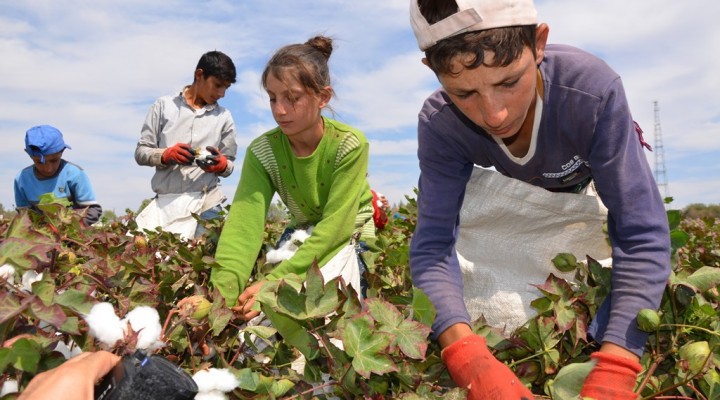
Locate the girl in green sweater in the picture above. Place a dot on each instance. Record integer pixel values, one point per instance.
(316, 165)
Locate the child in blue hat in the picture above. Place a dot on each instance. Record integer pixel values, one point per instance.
(50, 174)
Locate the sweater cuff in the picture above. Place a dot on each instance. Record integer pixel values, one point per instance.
(227, 283)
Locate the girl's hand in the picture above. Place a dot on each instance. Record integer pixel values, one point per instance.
(246, 301)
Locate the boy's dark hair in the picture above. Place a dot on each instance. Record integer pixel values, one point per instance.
(218, 64)
(506, 43)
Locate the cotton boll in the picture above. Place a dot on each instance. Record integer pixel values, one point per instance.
(9, 386)
(146, 321)
(300, 235)
(287, 248)
(104, 325)
(280, 254)
(68, 350)
(215, 379)
(212, 395)
(7, 272)
(28, 278)
(298, 365)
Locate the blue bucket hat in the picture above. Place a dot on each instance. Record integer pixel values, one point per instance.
(43, 140)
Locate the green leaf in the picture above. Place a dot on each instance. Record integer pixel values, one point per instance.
(397, 256)
(674, 218)
(7, 357)
(410, 336)
(321, 299)
(44, 289)
(423, 309)
(366, 347)
(264, 332)
(294, 333)
(282, 386)
(27, 254)
(268, 294)
(564, 314)
(248, 379)
(710, 384)
(71, 326)
(9, 304)
(384, 312)
(678, 239)
(75, 300)
(27, 355)
(290, 302)
(52, 314)
(219, 318)
(569, 380)
(705, 278)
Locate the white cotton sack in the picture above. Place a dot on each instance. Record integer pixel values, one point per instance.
(146, 321)
(215, 379)
(104, 324)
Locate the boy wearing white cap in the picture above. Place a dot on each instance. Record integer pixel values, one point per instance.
(51, 174)
(549, 115)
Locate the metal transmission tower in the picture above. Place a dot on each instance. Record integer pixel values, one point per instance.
(660, 173)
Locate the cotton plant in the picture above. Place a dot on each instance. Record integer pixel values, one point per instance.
(258, 344)
(108, 328)
(213, 383)
(325, 389)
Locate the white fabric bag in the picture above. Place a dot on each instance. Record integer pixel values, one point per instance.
(509, 233)
(344, 264)
(173, 213)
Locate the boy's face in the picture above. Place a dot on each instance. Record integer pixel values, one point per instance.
(210, 89)
(49, 167)
(496, 98)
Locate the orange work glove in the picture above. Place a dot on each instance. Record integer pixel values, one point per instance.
(473, 367)
(216, 163)
(180, 153)
(612, 378)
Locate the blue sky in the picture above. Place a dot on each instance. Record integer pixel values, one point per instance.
(93, 68)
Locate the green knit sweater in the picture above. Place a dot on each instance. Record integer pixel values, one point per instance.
(327, 189)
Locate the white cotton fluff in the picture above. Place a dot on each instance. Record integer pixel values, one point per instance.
(298, 364)
(7, 272)
(10, 386)
(28, 278)
(215, 379)
(287, 248)
(104, 324)
(211, 395)
(145, 320)
(69, 349)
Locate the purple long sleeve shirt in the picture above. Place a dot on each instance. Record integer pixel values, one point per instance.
(586, 131)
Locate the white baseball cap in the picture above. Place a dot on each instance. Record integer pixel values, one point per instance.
(473, 15)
